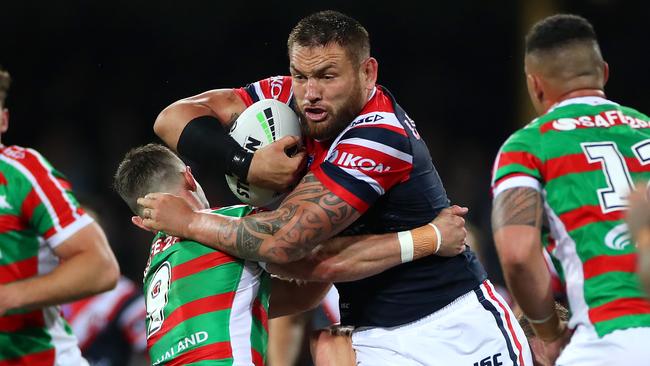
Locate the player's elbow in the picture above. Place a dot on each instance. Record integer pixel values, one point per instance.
(162, 124)
(107, 275)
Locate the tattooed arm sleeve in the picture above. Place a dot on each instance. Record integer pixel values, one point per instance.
(516, 225)
(309, 215)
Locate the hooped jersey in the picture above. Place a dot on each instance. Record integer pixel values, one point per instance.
(205, 306)
(38, 212)
(583, 156)
(380, 166)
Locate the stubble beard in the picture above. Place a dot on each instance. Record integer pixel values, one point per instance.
(338, 120)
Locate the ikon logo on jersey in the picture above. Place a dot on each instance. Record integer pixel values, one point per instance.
(346, 159)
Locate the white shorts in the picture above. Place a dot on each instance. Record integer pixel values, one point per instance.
(478, 328)
(629, 347)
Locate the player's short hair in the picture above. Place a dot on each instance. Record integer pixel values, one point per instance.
(561, 311)
(559, 30)
(5, 82)
(327, 27)
(146, 169)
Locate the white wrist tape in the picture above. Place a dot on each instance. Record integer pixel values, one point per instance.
(438, 236)
(406, 245)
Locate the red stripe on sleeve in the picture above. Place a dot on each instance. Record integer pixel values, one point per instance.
(14, 322)
(243, 94)
(19, 270)
(213, 351)
(3, 179)
(54, 194)
(354, 201)
(607, 263)
(201, 263)
(43, 358)
(191, 309)
(528, 160)
(585, 215)
(618, 308)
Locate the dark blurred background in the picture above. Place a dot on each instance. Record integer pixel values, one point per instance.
(89, 78)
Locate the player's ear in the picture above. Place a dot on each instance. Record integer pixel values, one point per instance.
(369, 69)
(190, 182)
(4, 120)
(605, 72)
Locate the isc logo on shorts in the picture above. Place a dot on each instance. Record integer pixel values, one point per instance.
(489, 361)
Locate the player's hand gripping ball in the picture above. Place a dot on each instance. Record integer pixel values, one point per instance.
(260, 124)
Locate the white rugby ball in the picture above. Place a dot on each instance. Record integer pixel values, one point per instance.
(262, 123)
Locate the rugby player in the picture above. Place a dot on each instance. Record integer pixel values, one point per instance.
(575, 164)
(370, 172)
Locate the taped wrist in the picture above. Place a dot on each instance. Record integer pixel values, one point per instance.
(205, 142)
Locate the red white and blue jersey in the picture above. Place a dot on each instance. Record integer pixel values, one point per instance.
(380, 166)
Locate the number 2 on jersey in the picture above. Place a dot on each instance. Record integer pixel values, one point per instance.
(619, 183)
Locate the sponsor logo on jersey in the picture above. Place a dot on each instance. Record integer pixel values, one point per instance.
(367, 119)
(604, 119)
(348, 160)
(618, 238)
(156, 289)
(15, 152)
(192, 341)
(489, 361)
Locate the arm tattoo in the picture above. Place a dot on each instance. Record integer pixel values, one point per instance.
(309, 215)
(517, 206)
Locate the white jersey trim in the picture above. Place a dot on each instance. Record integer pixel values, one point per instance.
(360, 176)
(515, 182)
(377, 146)
(582, 100)
(61, 236)
(241, 317)
(567, 253)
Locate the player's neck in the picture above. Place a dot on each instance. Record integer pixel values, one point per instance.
(587, 92)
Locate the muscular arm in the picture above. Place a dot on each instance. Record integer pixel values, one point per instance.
(87, 267)
(308, 216)
(222, 104)
(352, 258)
(516, 224)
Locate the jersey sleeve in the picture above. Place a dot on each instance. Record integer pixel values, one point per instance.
(50, 207)
(518, 163)
(276, 87)
(366, 161)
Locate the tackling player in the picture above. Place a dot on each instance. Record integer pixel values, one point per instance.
(204, 304)
(370, 173)
(575, 164)
(51, 252)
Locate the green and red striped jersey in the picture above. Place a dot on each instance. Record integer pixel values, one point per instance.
(37, 213)
(204, 306)
(584, 156)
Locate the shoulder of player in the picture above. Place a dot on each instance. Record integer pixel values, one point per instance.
(24, 162)
(275, 87)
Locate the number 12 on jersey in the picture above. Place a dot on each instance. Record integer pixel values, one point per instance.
(619, 183)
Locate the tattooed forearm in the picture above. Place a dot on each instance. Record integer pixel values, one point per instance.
(309, 215)
(517, 206)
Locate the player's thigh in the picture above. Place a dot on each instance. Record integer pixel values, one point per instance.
(629, 347)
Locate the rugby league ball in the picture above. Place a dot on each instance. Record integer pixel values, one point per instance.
(260, 124)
